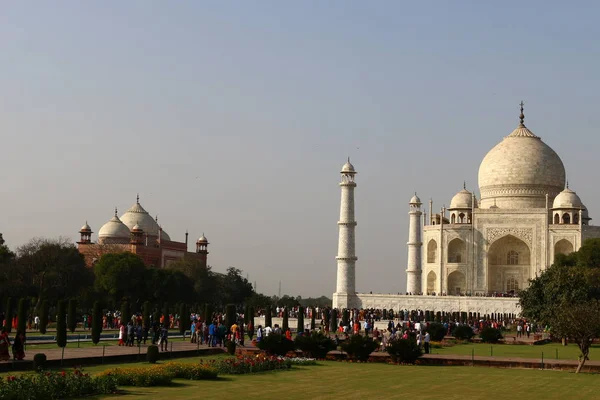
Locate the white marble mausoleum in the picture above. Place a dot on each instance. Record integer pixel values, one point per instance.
(476, 254)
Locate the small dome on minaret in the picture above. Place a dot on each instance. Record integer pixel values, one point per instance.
(415, 200)
(85, 228)
(202, 239)
(348, 168)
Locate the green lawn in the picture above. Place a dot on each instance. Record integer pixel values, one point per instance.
(570, 352)
(337, 380)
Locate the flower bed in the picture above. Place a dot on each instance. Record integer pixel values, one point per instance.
(160, 375)
(302, 361)
(247, 364)
(55, 385)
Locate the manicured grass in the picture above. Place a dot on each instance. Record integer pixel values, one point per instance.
(570, 352)
(336, 380)
(71, 345)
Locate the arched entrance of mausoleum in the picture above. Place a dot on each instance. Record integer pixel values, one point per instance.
(509, 265)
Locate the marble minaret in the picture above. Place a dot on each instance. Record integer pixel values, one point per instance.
(413, 272)
(346, 259)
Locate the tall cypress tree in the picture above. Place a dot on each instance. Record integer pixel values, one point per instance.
(9, 315)
(208, 311)
(300, 319)
(71, 315)
(125, 312)
(285, 324)
(184, 318)
(146, 314)
(251, 315)
(346, 317)
(61, 324)
(44, 311)
(268, 320)
(313, 317)
(334, 323)
(166, 314)
(22, 316)
(96, 322)
(230, 316)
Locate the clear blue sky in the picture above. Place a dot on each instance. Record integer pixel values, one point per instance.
(234, 118)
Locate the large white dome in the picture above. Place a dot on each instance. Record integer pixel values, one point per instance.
(462, 199)
(113, 232)
(137, 215)
(519, 171)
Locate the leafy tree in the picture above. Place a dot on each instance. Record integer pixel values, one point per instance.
(96, 322)
(251, 315)
(202, 279)
(44, 311)
(51, 269)
(22, 316)
(72, 318)
(581, 323)
(121, 275)
(300, 326)
(61, 324)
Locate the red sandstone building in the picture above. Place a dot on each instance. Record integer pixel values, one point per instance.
(137, 232)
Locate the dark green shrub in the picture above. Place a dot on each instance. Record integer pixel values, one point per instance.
(359, 347)
(251, 314)
(436, 331)
(22, 316)
(45, 309)
(463, 332)
(313, 317)
(152, 354)
(230, 316)
(268, 319)
(285, 325)
(96, 322)
(300, 326)
(71, 315)
(403, 351)
(61, 324)
(276, 345)
(315, 345)
(39, 362)
(230, 345)
(8, 315)
(490, 335)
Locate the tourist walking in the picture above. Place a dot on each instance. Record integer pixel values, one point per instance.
(426, 341)
(122, 333)
(18, 347)
(164, 337)
(4, 345)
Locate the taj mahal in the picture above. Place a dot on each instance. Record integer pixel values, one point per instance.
(476, 254)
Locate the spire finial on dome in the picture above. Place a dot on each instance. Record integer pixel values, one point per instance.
(465, 185)
(567, 183)
(137, 199)
(116, 212)
(522, 116)
(156, 219)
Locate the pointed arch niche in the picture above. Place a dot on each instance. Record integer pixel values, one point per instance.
(509, 261)
(431, 251)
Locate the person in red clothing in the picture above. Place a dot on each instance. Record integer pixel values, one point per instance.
(288, 334)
